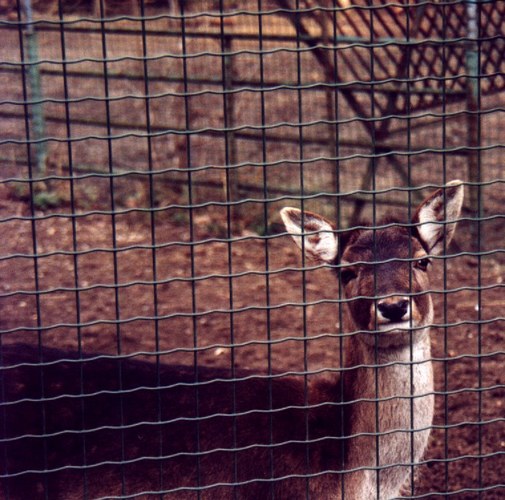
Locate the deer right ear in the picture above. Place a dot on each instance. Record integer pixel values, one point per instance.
(435, 217)
(320, 243)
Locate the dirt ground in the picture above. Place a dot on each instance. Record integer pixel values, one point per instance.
(240, 302)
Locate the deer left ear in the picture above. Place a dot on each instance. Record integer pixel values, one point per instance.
(312, 233)
(433, 217)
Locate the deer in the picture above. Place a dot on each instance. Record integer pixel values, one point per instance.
(96, 426)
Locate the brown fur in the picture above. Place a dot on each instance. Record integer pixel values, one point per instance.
(127, 427)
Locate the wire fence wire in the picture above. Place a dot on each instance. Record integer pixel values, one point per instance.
(149, 293)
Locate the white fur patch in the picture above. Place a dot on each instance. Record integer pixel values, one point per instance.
(428, 230)
(320, 243)
(323, 245)
(442, 207)
(392, 327)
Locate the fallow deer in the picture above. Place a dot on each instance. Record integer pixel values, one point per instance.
(95, 427)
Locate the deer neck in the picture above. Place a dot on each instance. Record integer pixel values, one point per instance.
(389, 393)
(399, 371)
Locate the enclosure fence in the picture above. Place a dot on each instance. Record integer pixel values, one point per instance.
(146, 150)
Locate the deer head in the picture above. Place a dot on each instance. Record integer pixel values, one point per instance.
(383, 270)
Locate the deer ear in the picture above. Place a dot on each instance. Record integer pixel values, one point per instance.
(434, 213)
(321, 243)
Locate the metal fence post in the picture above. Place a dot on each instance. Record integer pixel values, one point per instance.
(231, 181)
(472, 99)
(34, 82)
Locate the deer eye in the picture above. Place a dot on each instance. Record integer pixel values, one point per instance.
(422, 264)
(347, 275)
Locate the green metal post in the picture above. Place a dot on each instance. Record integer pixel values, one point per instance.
(34, 82)
(472, 93)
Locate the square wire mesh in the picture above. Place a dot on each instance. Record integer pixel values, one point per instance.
(146, 150)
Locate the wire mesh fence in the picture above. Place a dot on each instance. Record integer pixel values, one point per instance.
(160, 334)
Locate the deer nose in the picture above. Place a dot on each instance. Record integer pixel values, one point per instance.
(393, 309)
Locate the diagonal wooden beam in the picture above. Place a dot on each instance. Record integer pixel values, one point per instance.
(326, 63)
